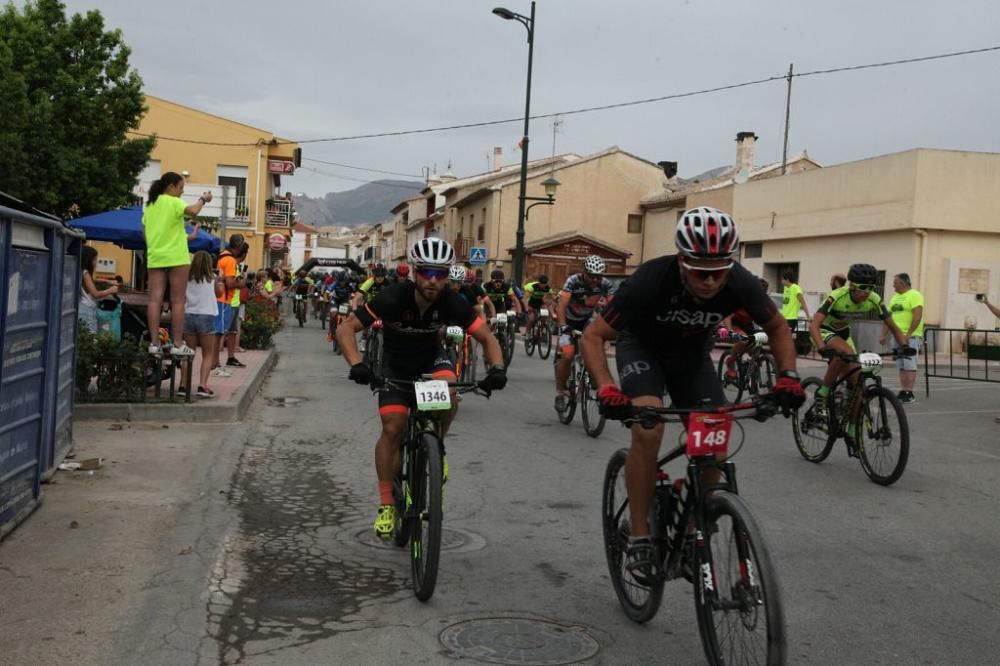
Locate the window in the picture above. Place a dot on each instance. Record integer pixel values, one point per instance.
(753, 250)
(634, 223)
(481, 232)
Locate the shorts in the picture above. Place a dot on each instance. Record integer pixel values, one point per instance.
(689, 381)
(565, 341)
(909, 363)
(223, 317)
(394, 400)
(199, 324)
(233, 319)
(845, 335)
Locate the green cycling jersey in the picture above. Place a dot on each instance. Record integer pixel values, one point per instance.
(536, 292)
(840, 309)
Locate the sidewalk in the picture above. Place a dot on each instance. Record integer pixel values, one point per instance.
(232, 397)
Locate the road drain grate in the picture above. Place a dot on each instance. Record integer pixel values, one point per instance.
(514, 640)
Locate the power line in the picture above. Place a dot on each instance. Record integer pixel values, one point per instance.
(591, 109)
(348, 166)
(358, 180)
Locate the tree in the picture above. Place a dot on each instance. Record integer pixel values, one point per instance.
(68, 98)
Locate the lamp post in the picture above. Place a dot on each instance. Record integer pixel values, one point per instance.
(529, 23)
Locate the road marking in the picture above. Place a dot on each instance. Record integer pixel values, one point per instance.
(969, 411)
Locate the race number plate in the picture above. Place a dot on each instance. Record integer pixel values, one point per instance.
(544, 312)
(501, 317)
(342, 309)
(432, 395)
(708, 434)
(456, 333)
(760, 338)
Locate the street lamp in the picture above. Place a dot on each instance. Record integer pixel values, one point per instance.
(529, 23)
(550, 184)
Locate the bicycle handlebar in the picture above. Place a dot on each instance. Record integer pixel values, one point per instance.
(895, 354)
(382, 383)
(763, 408)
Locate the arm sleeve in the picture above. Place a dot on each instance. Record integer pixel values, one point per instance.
(463, 313)
(628, 297)
(827, 304)
(377, 308)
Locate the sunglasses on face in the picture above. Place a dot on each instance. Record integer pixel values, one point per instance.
(432, 273)
(863, 287)
(700, 273)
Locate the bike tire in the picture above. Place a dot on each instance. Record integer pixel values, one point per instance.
(375, 352)
(640, 603)
(566, 417)
(544, 337)
(505, 350)
(593, 420)
(425, 535)
(876, 441)
(511, 346)
(400, 488)
(741, 571)
(813, 436)
(529, 342)
(732, 388)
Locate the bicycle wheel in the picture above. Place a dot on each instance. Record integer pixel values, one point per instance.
(736, 590)
(639, 602)
(732, 387)
(763, 375)
(884, 436)
(544, 337)
(511, 345)
(400, 491)
(505, 348)
(530, 342)
(593, 421)
(425, 534)
(566, 417)
(811, 427)
(375, 352)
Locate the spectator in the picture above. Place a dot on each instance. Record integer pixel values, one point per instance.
(996, 313)
(90, 294)
(167, 257)
(203, 290)
(227, 270)
(792, 300)
(837, 280)
(239, 301)
(907, 309)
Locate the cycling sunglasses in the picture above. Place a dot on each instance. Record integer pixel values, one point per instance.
(863, 287)
(704, 273)
(432, 273)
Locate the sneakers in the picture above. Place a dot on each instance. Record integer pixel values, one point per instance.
(205, 392)
(181, 350)
(181, 392)
(155, 350)
(221, 372)
(234, 362)
(444, 469)
(640, 561)
(562, 402)
(385, 521)
(905, 396)
(819, 409)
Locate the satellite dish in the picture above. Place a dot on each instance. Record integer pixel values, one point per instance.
(742, 176)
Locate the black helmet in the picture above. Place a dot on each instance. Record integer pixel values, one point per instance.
(496, 275)
(379, 270)
(543, 278)
(862, 274)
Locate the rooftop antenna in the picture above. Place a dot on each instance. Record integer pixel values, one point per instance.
(556, 128)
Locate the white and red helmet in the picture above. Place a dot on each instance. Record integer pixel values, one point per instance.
(707, 233)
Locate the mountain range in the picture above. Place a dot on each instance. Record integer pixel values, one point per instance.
(371, 202)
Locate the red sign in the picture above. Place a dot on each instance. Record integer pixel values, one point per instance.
(280, 166)
(277, 242)
(708, 434)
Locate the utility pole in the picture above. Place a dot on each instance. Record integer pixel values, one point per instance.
(788, 113)
(222, 216)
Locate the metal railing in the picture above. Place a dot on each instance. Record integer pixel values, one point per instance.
(970, 360)
(240, 213)
(278, 213)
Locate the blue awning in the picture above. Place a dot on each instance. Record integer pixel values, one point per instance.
(123, 227)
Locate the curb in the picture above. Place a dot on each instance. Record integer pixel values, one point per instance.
(205, 411)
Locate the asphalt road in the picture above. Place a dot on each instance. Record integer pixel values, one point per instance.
(870, 575)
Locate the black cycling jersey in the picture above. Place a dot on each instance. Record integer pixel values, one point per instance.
(498, 294)
(584, 297)
(653, 306)
(408, 333)
(470, 292)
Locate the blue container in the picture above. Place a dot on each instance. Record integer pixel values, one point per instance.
(39, 291)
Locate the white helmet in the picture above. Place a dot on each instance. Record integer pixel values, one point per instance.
(457, 273)
(433, 252)
(707, 233)
(594, 265)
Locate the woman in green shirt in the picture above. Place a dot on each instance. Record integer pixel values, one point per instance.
(167, 256)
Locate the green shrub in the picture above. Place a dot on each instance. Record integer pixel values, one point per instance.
(261, 322)
(109, 370)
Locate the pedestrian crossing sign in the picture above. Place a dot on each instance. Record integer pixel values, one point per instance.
(477, 255)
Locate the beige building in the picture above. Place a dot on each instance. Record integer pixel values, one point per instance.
(934, 214)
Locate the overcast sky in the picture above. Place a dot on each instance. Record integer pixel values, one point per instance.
(308, 69)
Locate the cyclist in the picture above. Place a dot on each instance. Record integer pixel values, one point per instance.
(403, 271)
(663, 317)
(464, 287)
(301, 286)
(831, 327)
(501, 293)
(414, 315)
(371, 287)
(576, 302)
(742, 323)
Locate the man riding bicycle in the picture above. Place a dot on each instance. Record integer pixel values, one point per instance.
(742, 323)
(371, 287)
(536, 296)
(831, 326)
(414, 316)
(663, 317)
(501, 293)
(577, 299)
(461, 284)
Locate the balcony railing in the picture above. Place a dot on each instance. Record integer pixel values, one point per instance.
(278, 213)
(462, 247)
(239, 214)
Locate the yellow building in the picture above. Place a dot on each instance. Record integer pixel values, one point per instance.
(250, 161)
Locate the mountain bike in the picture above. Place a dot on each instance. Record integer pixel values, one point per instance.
(338, 313)
(867, 415)
(539, 335)
(371, 338)
(418, 484)
(755, 369)
(502, 332)
(323, 310)
(581, 389)
(299, 307)
(703, 533)
(460, 349)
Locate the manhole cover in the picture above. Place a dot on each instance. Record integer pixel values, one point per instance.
(450, 540)
(287, 401)
(515, 640)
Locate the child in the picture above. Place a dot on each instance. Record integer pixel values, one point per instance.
(90, 294)
(203, 288)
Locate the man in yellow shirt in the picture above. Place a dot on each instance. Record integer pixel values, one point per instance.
(792, 300)
(907, 309)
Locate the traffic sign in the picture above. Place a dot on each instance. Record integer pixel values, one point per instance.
(477, 255)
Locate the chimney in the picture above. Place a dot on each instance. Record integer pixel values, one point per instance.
(669, 169)
(745, 142)
(497, 158)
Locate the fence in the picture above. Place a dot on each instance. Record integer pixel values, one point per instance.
(976, 348)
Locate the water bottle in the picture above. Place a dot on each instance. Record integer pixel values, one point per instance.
(664, 502)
